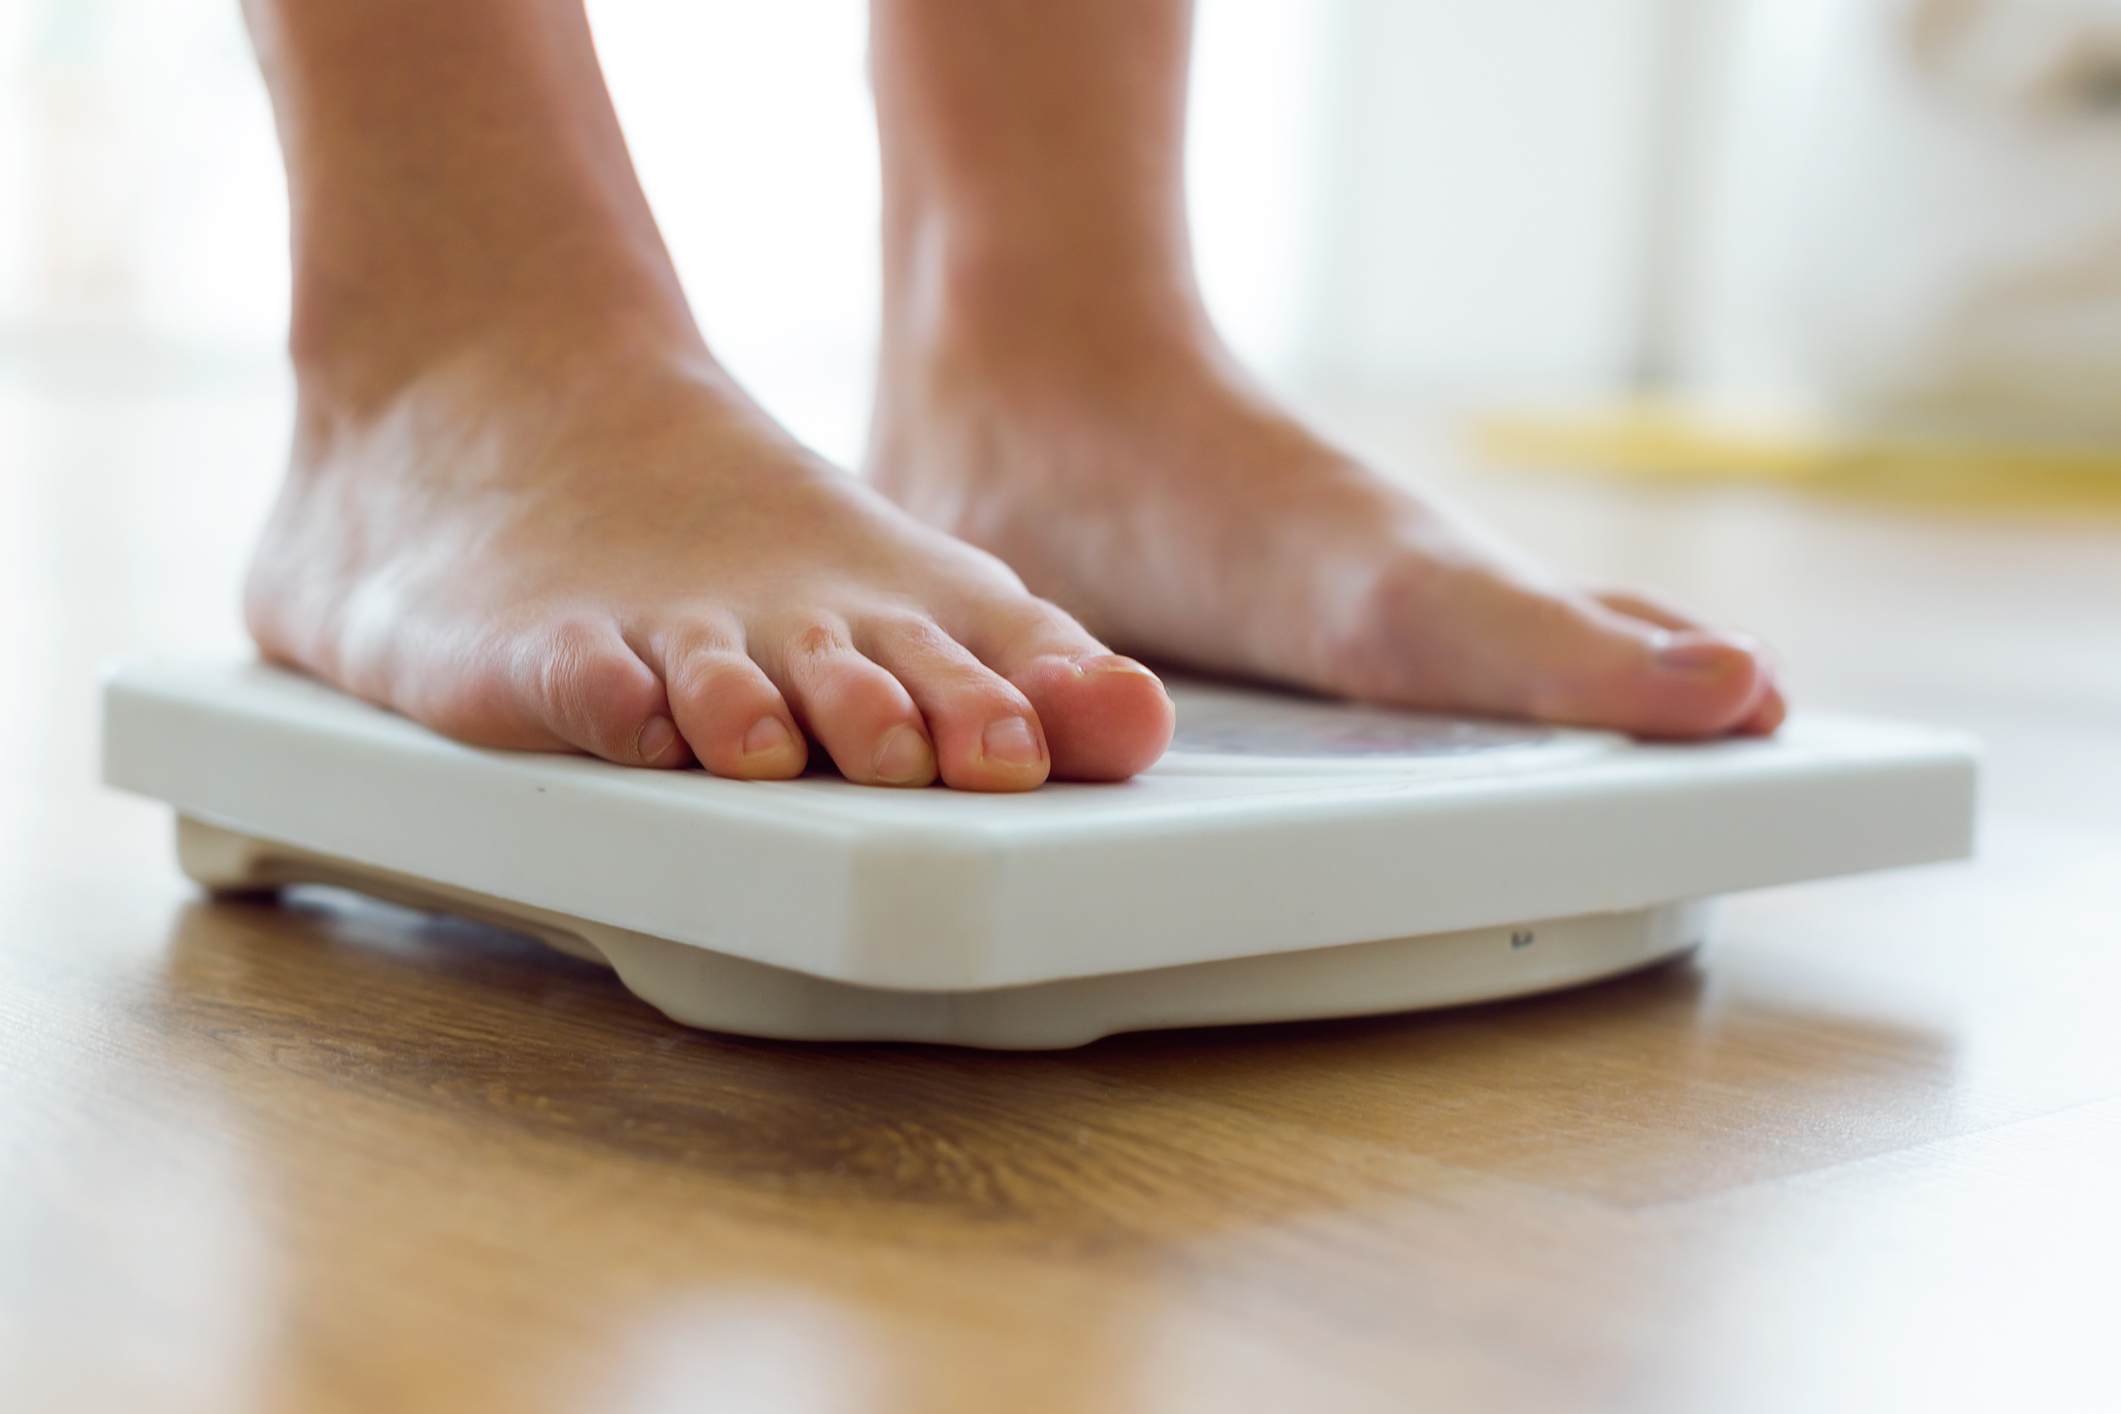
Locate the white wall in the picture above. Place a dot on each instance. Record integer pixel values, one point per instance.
(1918, 218)
(139, 183)
(1494, 173)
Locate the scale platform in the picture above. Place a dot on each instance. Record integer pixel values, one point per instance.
(1288, 858)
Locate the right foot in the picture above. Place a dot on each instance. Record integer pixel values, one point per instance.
(613, 550)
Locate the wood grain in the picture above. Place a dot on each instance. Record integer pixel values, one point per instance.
(324, 1154)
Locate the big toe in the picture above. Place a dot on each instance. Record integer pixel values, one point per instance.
(1689, 683)
(1768, 713)
(1561, 657)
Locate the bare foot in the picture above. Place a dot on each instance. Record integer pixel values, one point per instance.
(1051, 391)
(528, 508)
(611, 549)
(1145, 484)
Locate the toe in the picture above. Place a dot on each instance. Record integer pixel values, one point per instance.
(861, 714)
(1491, 640)
(1106, 717)
(1111, 717)
(575, 684)
(1691, 683)
(1768, 717)
(1768, 714)
(727, 708)
(987, 736)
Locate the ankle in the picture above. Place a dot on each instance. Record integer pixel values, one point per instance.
(996, 288)
(358, 345)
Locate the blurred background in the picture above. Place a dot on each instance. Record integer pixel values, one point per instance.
(1869, 212)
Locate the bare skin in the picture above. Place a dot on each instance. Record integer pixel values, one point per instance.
(1053, 391)
(528, 508)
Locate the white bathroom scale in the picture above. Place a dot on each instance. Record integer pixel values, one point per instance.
(1288, 858)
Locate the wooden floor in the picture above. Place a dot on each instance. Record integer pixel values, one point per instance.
(1863, 1153)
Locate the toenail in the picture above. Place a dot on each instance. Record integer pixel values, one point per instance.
(1698, 656)
(654, 738)
(766, 734)
(905, 759)
(1010, 741)
(1119, 665)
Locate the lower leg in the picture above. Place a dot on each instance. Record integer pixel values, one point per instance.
(1052, 390)
(1033, 168)
(453, 167)
(528, 507)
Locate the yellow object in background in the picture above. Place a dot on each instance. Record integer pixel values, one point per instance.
(1674, 442)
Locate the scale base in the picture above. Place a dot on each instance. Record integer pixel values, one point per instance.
(717, 992)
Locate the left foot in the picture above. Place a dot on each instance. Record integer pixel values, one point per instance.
(1149, 488)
